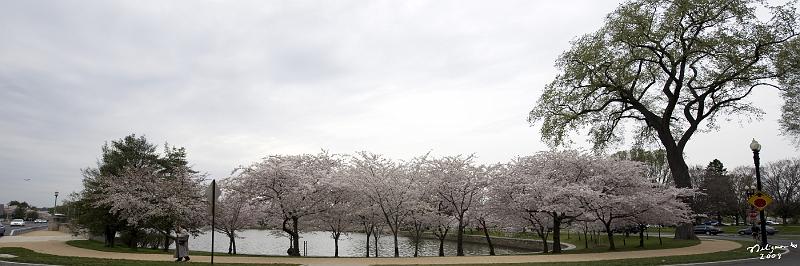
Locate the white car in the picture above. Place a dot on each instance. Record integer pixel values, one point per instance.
(17, 222)
(40, 221)
(2, 230)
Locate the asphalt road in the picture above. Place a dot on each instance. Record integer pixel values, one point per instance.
(12, 230)
(792, 258)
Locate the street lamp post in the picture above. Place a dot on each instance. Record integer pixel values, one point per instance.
(756, 148)
(55, 203)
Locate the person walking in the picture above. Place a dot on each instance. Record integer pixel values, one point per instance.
(755, 230)
(181, 245)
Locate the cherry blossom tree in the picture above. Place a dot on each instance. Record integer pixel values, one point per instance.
(384, 182)
(290, 187)
(457, 182)
(336, 211)
(618, 190)
(144, 194)
(517, 200)
(235, 212)
(663, 207)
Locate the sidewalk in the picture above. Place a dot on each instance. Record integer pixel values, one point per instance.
(54, 243)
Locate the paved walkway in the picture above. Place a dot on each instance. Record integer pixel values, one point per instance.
(54, 243)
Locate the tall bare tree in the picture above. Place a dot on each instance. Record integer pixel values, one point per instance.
(670, 69)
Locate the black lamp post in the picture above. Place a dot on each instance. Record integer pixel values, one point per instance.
(756, 149)
(55, 203)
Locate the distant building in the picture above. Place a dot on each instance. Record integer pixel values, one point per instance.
(2, 210)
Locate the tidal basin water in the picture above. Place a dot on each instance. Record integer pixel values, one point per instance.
(267, 242)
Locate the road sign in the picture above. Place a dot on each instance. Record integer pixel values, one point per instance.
(760, 200)
(753, 214)
(213, 191)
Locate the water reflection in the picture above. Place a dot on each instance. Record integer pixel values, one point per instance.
(267, 242)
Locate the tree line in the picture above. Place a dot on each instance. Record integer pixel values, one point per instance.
(143, 194)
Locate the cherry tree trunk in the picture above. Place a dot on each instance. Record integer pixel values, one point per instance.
(396, 249)
(166, 242)
(375, 237)
(441, 246)
(486, 234)
(296, 236)
(556, 233)
(610, 237)
(369, 232)
(641, 235)
(460, 237)
(336, 247)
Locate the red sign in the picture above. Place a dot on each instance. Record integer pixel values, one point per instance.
(753, 215)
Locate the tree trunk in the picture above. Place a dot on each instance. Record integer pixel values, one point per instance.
(441, 247)
(486, 234)
(166, 242)
(680, 174)
(610, 237)
(234, 245)
(336, 247)
(543, 236)
(659, 237)
(133, 242)
(641, 235)
(375, 237)
(230, 244)
(556, 233)
(417, 237)
(460, 237)
(396, 249)
(296, 236)
(111, 235)
(368, 232)
(585, 240)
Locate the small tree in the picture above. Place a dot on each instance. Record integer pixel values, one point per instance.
(457, 183)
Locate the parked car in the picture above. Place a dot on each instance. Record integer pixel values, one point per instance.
(40, 221)
(714, 223)
(2, 230)
(706, 229)
(773, 223)
(748, 230)
(17, 222)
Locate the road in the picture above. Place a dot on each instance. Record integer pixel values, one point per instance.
(792, 258)
(10, 231)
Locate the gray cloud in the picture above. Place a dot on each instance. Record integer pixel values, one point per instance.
(233, 81)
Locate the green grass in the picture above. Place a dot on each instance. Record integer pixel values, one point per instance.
(122, 248)
(621, 243)
(739, 253)
(28, 256)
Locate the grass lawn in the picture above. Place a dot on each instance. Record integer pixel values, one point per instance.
(600, 244)
(122, 248)
(28, 256)
(740, 253)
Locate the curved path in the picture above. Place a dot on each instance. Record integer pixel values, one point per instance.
(54, 243)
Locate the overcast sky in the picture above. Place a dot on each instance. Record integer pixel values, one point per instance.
(234, 81)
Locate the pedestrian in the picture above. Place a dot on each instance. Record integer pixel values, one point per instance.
(181, 244)
(755, 230)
